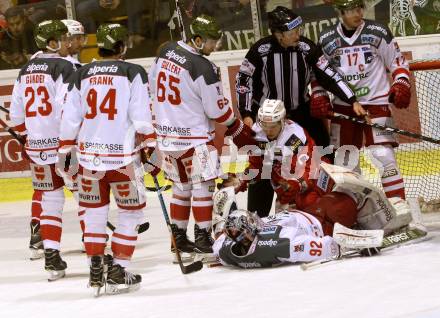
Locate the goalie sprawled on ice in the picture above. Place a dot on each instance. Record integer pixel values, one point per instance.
(245, 240)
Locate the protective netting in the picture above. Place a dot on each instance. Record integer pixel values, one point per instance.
(419, 161)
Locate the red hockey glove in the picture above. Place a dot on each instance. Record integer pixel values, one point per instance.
(400, 93)
(241, 134)
(320, 104)
(286, 190)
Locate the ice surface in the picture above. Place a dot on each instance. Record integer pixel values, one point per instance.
(404, 282)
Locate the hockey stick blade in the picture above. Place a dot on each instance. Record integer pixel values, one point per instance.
(143, 227)
(191, 268)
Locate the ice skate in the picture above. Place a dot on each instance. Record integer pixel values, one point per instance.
(36, 243)
(96, 280)
(54, 264)
(185, 246)
(120, 281)
(203, 245)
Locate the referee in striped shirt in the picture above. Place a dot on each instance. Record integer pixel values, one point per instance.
(281, 66)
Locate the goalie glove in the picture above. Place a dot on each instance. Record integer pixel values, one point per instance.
(400, 93)
(320, 104)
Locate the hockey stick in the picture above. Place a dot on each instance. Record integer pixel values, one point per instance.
(180, 21)
(4, 109)
(388, 242)
(193, 267)
(385, 128)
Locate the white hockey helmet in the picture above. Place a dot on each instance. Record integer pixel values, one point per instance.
(74, 27)
(272, 111)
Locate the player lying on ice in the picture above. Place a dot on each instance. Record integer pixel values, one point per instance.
(245, 240)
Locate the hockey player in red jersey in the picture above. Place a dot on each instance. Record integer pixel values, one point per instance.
(187, 102)
(36, 106)
(285, 158)
(363, 51)
(107, 104)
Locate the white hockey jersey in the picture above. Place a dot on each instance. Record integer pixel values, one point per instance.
(363, 60)
(106, 105)
(37, 101)
(187, 98)
(287, 237)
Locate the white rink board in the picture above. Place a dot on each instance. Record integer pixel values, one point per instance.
(400, 283)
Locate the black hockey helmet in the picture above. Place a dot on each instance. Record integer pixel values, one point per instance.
(282, 19)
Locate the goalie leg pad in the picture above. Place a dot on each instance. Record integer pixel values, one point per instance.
(334, 207)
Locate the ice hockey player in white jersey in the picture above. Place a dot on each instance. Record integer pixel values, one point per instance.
(188, 101)
(77, 39)
(107, 105)
(363, 51)
(245, 240)
(36, 106)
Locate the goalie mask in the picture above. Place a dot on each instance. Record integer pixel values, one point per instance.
(242, 226)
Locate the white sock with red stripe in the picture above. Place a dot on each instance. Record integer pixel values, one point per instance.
(36, 206)
(202, 203)
(180, 206)
(51, 218)
(125, 236)
(392, 181)
(95, 235)
(81, 211)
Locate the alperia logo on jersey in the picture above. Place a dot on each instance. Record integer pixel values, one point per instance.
(378, 28)
(37, 67)
(102, 69)
(171, 55)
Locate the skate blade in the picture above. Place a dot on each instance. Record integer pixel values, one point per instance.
(206, 258)
(186, 257)
(35, 254)
(115, 289)
(96, 291)
(55, 275)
